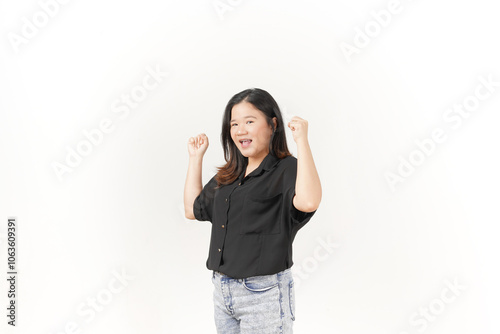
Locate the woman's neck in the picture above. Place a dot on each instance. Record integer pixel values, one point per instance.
(253, 163)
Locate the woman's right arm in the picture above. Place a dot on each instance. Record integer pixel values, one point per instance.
(197, 146)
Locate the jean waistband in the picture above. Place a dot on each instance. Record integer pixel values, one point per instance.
(215, 272)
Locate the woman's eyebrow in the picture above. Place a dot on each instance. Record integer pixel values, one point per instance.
(245, 117)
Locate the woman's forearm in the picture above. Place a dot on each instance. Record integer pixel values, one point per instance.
(193, 185)
(307, 186)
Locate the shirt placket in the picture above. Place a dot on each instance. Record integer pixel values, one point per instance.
(223, 227)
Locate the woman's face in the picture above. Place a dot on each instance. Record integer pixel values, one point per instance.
(248, 124)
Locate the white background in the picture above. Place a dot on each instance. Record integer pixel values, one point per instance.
(121, 209)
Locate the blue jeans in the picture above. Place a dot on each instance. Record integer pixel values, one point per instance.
(256, 305)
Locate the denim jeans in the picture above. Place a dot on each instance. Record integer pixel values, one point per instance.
(256, 305)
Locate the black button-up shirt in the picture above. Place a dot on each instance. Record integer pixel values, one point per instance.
(253, 219)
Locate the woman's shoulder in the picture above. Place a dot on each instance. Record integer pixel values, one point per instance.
(288, 162)
(289, 159)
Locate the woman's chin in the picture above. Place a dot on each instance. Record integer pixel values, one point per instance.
(246, 153)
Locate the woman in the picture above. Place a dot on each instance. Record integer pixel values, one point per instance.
(256, 203)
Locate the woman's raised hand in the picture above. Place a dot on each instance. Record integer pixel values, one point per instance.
(197, 146)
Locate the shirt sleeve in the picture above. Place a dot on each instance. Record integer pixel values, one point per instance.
(204, 204)
(297, 216)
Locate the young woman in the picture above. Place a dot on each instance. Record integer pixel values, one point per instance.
(256, 203)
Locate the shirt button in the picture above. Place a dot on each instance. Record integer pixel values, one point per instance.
(219, 249)
(226, 199)
(222, 226)
(239, 184)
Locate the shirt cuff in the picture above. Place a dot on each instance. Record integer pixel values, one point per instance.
(197, 210)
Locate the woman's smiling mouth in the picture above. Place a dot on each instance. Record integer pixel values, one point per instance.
(245, 142)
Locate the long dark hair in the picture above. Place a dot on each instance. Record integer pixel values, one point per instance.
(263, 101)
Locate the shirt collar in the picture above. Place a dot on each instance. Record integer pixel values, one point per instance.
(265, 165)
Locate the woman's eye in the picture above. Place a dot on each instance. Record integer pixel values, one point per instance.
(237, 124)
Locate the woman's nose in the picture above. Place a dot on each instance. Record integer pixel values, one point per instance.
(241, 129)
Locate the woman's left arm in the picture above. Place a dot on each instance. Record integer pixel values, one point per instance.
(308, 186)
